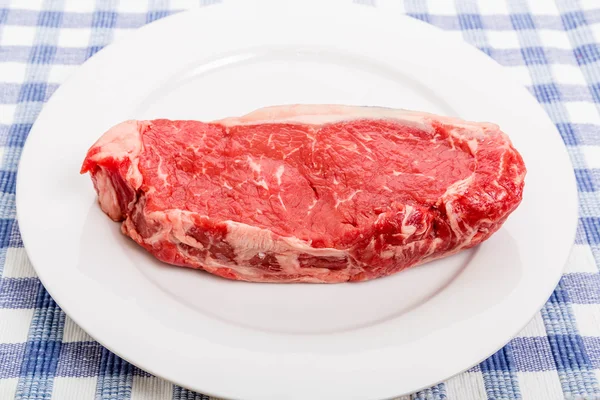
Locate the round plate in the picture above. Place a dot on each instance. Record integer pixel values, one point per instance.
(375, 339)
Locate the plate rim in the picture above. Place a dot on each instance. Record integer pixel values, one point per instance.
(200, 11)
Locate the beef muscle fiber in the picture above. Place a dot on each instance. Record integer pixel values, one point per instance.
(307, 193)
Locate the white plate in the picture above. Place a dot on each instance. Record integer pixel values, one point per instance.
(372, 340)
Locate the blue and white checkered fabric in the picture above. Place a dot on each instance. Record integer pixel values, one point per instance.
(551, 48)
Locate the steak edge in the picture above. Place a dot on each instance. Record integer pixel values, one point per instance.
(307, 193)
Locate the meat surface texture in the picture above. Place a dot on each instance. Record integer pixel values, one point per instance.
(307, 193)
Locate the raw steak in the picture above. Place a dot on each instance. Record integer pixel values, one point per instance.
(307, 193)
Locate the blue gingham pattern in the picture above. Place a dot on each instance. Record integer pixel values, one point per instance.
(550, 47)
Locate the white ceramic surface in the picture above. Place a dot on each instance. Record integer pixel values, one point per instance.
(372, 340)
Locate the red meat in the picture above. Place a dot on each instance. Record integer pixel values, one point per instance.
(307, 193)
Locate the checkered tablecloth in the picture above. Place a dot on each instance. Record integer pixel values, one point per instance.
(550, 47)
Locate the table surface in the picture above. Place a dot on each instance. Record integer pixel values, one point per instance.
(550, 47)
